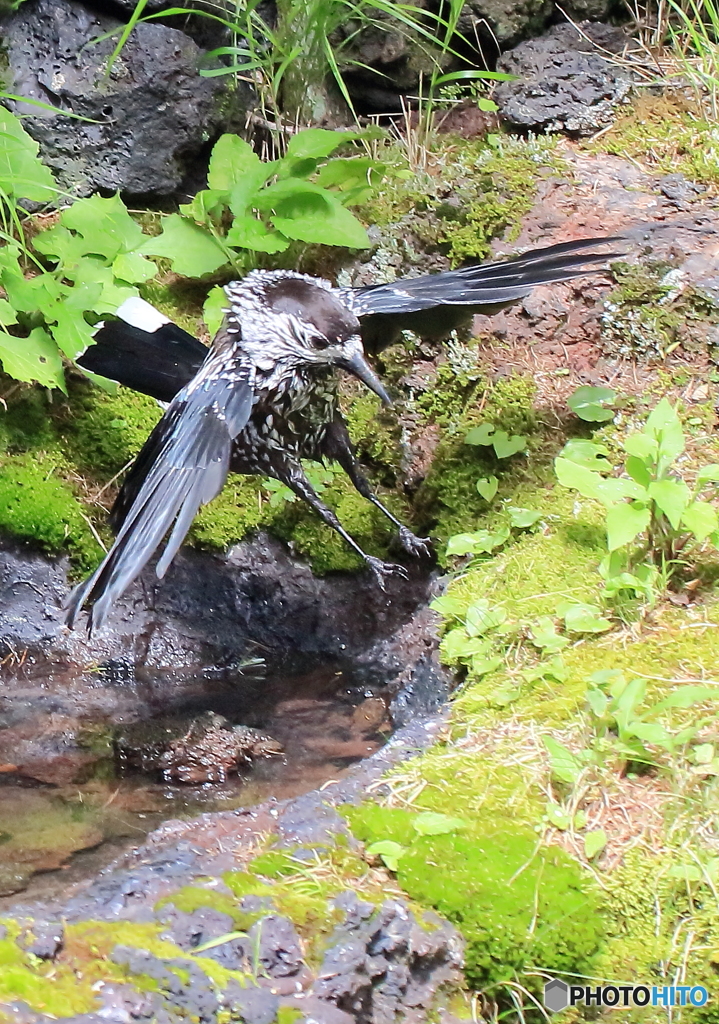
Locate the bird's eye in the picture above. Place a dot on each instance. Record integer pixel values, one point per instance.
(319, 341)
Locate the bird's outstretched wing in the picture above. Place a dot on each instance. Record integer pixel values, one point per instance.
(182, 466)
(145, 351)
(455, 295)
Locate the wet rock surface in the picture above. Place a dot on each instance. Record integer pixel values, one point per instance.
(564, 82)
(150, 116)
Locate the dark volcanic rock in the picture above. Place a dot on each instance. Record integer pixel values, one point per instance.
(150, 116)
(42, 938)
(564, 83)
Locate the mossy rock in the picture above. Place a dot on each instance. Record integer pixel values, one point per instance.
(518, 905)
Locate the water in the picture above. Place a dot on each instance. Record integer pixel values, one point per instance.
(323, 719)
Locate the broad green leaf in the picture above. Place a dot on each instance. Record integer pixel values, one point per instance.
(354, 174)
(207, 205)
(701, 519)
(638, 470)
(641, 446)
(687, 697)
(615, 488)
(558, 817)
(708, 474)
(545, 636)
(481, 617)
(624, 523)
(65, 246)
(480, 435)
(316, 143)
(630, 697)
(71, 332)
(92, 272)
(248, 232)
(7, 313)
(106, 227)
(481, 542)
(234, 161)
(523, 518)
(505, 446)
(664, 424)
(594, 843)
(597, 701)
(430, 823)
(487, 487)
(578, 477)
(457, 646)
(483, 666)
(585, 618)
(133, 268)
(192, 250)
(588, 454)
(22, 173)
(703, 753)
(590, 403)
(388, 850)
(213, 311)
(671, 497)
(651, 732)
(449, 606)
(312, 214)
(565, 765)
(34, 358)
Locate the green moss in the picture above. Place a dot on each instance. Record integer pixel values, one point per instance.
(517, 905)
(38, 505)
(274, 864)
(288, 1015)
(242, 883)
(375, 433)
(192, 898)
(236, 511)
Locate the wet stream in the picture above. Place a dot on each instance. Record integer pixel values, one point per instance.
(53, 835)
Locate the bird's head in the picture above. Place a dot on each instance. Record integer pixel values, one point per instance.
(297, 320)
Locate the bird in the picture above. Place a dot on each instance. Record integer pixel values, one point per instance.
(265, 395)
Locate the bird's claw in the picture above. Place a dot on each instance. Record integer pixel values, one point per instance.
(383, 570)
(420, 547)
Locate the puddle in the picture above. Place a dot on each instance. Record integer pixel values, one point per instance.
(54, 836)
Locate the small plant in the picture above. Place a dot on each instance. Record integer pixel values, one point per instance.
(654, 518)
(504, 445)
(253, 207)
(592, 404)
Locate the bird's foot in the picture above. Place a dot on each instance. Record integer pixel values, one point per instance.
(420, 547)
(383, 570)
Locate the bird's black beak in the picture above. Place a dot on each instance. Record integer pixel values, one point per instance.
(360, 368)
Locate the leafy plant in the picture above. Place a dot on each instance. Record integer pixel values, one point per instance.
(592, 404)
(653, 516)
(253, 206)
(486, 435)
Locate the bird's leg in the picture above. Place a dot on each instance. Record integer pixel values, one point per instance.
(338, 446)
(290, 473)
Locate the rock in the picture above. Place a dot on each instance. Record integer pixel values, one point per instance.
(278, 946)
(42, 938)
(190, 930)
(508, 21)
(203, 748)
(563, 82)
(253, 1004)
(150, 116)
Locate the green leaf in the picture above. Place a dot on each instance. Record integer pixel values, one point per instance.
(429, 823)
(594, 843)
(481, 542)
(22, 173)
(590, 404)
(505, 446)
(480, 435)
(316, 143)
(71, 332)
(545, 636)
(34, 358)
(483, 666)
(625, 523)
(457, 646)
(213, 311)
(8, 315)
(191, 250)
(207, 205)
(558, 817)
(663, 423)
(585, 618)
(588, 454)
(650, 732)
(523, 518)
(133, 268)
(597, 701)
(389, 851)
(487, 487)
(105, 226)
(234, 162)
(686, 697)
(641, 446)
(304, 211)
(481, 617)
(449, 606)
(248, 232)
(92, 273)
(708, 474)
(671, 497)
(566, 767)
(701, 519)
(703, 753)
(577, 477)
(638, 470)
